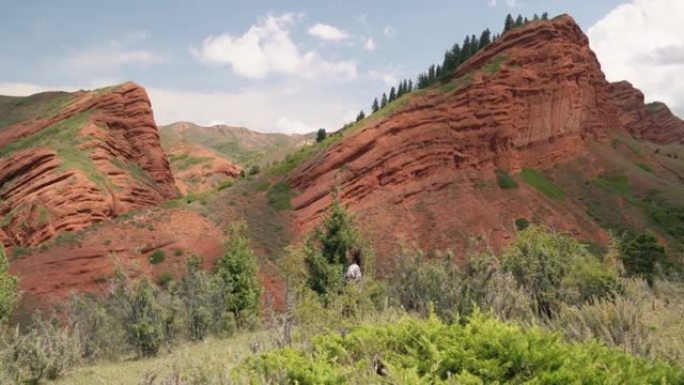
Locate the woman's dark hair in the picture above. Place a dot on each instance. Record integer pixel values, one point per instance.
(355, 254)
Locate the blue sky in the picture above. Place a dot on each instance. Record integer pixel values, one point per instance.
(271, 65)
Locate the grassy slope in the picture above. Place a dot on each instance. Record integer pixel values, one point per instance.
(237, 144)
(15, 109)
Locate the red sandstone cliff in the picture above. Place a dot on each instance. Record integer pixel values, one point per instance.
(425, 174)
(97, 157)
(653, 122)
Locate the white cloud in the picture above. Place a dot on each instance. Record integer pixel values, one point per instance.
(328, 32)
(267, 48)
(111, 58)
(511, 3)
(115, 54)
(369, 45)
(491, 3)
(264, 109)
(389, 31)
(23, 89)
(389, 76)
(285, 124)
(642, 41)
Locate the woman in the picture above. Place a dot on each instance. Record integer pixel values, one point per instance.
(354, 269)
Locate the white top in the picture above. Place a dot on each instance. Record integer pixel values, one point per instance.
(353, 271)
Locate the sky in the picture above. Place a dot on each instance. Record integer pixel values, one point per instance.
(297, 66)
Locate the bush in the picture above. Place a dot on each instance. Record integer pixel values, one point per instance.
(141, 313)
(279, 196)
(521, 224)
(46, 351)
(616, 322)
(165, 279)
(157, 257)
(423, 285)
(641, 255)
(504, 180)
(9, 293)
(204, 303)
(483, 350)
(101, 334)
(327, 251)
(556, 268)
(238, 269)
(253, 169)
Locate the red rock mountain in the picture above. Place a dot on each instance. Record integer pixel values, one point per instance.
(526, 131)
(425, 173)
(70, 160)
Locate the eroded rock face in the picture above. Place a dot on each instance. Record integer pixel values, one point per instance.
(425, 175)
(198, 169)
(654, 122)
(97, 157)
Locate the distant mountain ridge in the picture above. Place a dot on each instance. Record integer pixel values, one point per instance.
(240, 145)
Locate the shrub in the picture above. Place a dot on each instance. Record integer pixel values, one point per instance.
(253, 169)
(504, 180)
(279, 196)
(326, 263)
(157, 257)
(616, 322)
(641, 254)
(203, 301)
(46, 351)
(142, 315)
(554, 268)
(521, 224)
(423, 285)
(238, 269)
(9, 293)
(165, 279)
(483, 350)
(101, 334)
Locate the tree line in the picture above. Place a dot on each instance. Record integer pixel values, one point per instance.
(453, 57)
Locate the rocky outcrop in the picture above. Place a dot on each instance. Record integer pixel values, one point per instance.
(97, 157)
(425, 174)
(654, 122)
(198, 169)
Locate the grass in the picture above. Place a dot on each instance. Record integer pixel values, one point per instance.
(279, 196)
(63, 137)
(135, 170)
(541, 183)
(43, 215)
(615, 183)
(494, 65)
(456, 84)
(211, 354)
(505, 180)
(157, 257)
(224, 184)
(14, 109)
(184, 161)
